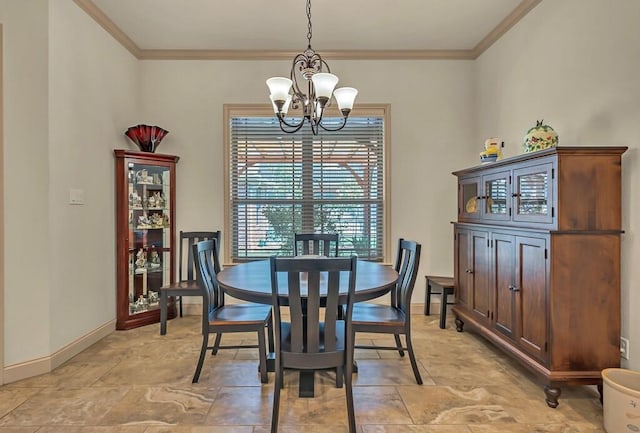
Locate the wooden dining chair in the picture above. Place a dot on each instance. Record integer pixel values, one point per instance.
(186, 284)
(218, 318)
(319, 244)
(314, 339)
(394, 318)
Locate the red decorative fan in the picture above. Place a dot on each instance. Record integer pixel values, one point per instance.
(146, 137)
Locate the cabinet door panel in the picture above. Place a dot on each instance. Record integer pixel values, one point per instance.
(531, 296)
(480, 274)
(533, 197)
(504, 269)
(469, 199)
(496, 198)
(462, 266)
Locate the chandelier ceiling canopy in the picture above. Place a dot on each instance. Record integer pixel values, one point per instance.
(309, 89)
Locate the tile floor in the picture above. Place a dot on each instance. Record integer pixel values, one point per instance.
(140, 382)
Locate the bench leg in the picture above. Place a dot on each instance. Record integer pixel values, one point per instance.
(427, 300)
(443, 308)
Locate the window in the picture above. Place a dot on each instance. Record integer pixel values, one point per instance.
(278, 184)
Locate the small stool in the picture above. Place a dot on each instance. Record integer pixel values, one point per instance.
(446, 289)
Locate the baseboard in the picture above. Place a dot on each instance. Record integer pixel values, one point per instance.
(191, 309)
(418, 308)
(35, 367)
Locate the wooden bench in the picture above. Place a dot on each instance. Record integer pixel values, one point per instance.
(446, 288)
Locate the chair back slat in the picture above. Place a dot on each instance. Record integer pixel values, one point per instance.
(319, 244)
(186, 269)
(206, 255)
(296, 313)
(313, 312)
(407, 264)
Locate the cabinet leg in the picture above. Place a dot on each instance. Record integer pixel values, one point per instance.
(552, 395)
(459, 324)
(600, 392)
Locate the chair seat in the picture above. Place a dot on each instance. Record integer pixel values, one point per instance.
(375, 314)
(182, 288)
(240, 314)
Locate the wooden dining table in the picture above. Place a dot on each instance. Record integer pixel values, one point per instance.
(252, 282)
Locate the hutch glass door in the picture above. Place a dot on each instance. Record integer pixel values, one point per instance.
(533, 199)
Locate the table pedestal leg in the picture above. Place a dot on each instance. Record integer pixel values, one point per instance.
(306, 387)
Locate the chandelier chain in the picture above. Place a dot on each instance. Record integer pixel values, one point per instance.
(309, 22)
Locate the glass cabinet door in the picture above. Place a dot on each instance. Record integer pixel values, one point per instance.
(497, 196)
(149, 234)
(469, 198)
(533, 196)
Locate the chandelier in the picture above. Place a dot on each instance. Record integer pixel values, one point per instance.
(309, 89)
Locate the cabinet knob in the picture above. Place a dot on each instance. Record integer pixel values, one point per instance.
(514, 289)
(515, 194)
(468, 271)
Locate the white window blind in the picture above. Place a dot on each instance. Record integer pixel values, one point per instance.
(280, 184)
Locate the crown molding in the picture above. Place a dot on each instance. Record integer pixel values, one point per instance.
(503, 27)
(288, 55)
(179, 54)
(105, 22)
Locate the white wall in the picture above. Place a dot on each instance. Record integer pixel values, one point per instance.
(575, 64)
(431, 127)
(70, 89)
(93, 95)
(26, 174)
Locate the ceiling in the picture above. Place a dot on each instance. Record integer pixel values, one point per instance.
(253, 29)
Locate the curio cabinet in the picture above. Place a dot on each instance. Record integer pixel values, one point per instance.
(145, 232)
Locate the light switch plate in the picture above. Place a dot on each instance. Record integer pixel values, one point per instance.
(76, 196)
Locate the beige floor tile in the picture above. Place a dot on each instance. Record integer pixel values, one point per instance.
(415, 429)
(73, 374)
(228, 372)
(246, 405)
(199, 429)
(449, 405)
(161, 405)
(389, 372)
(69, 406)
(380, 405)
(138, 381)
(536, 428)
(11, 398)
(141, 372)
(91, 429)
(304, 429)
(18, 429)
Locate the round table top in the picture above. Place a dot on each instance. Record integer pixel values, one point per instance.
(252, 281)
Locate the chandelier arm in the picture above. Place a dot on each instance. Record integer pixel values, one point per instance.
(295, 127)
(290, 131)
(344, 123)
(322, 62)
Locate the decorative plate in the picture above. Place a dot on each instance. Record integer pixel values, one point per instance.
(471, 206)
